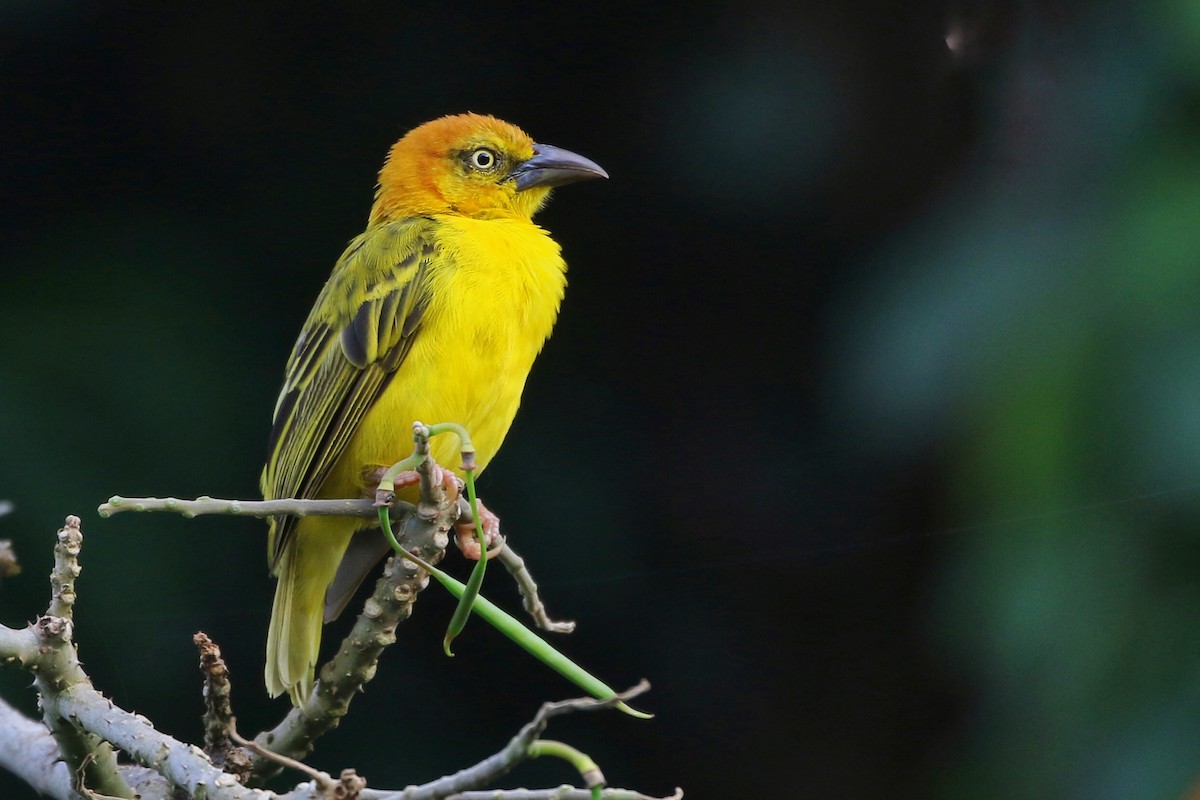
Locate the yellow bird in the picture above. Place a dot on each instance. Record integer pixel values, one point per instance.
(434, 313)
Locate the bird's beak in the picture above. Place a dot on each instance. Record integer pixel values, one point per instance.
(554, 166)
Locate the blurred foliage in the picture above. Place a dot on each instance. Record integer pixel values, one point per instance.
(1040, 330)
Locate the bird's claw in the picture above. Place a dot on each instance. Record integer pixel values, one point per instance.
(465, 533)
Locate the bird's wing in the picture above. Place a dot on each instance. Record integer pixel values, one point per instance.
(357, 334)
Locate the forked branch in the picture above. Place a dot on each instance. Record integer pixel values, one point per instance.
(69, 753)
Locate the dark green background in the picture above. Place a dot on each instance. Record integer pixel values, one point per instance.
(869, 433)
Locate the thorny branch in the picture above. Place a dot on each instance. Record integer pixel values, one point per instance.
(57, 673)
(169, 765)
(69, 754)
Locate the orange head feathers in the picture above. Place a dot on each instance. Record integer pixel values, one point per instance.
(473, 165)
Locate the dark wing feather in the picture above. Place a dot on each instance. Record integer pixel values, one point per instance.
(355, 338)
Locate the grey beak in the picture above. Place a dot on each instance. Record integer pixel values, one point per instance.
(554, 166)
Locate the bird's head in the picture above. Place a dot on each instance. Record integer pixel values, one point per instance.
(476, 166)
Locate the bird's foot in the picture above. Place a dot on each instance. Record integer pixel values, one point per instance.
(410, 477)
(469, 543)
(464, 528)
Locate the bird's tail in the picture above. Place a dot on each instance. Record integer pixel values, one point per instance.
(305, 570)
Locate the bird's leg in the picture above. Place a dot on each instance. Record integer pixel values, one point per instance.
(465, 529)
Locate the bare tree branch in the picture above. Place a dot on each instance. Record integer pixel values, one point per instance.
(529, 593)
(185, 766)
(499, 764)
(361, 507)
(69, 754)
(84, 721)
(425, 534)
(204, 504)
(29, 751)
(57, 672)
(66, 570)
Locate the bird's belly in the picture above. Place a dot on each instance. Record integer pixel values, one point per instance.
(492, 312)
(477, 384)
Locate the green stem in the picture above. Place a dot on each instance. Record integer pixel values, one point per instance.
(388, 482)
(462, 612)
(593, 778)
(468, 594)
(465, 446)
(502, 621)
(385, 522)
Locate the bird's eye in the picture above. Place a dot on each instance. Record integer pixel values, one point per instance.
(483, 159)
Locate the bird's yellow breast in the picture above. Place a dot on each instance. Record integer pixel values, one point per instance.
(495, 286)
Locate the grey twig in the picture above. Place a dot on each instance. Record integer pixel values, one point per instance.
(529, 592)
(66, 570)
(246, 508)
(320, 779)
(499, 764)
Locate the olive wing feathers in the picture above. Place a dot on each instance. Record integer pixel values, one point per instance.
(357, 335)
